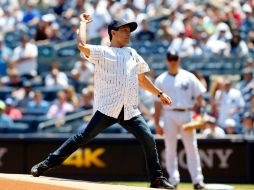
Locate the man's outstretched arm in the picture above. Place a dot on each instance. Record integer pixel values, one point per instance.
(157, 115)
(81, 37)
(147, 84)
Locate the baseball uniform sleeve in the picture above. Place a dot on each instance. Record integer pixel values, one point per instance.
(198, 87)
(96, 53)
(142, 65)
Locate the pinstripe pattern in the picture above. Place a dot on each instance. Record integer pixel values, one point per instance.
(116, 79)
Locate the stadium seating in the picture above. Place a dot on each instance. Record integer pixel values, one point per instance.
(32, 121)
(49, 93)
(5, 92)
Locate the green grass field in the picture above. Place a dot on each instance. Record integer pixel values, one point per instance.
(185, 186)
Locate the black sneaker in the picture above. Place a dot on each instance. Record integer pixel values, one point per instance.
(161, 183)
(199, 186)
(40, 168)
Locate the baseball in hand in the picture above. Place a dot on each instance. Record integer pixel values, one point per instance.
(85, 17)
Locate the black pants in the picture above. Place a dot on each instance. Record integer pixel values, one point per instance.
(136, 125)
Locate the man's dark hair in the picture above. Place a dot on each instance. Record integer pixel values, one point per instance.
(109, 32)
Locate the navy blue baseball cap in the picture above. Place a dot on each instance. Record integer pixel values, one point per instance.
(172, 54)
(116, 24)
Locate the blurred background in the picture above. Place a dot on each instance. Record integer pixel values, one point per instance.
(46, 88)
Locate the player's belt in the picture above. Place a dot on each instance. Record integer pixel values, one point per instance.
(181, 109)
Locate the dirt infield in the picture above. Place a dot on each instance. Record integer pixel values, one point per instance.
(27, 182)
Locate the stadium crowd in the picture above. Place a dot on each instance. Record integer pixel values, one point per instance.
(190, 27)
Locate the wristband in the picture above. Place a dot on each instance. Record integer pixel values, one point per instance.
(160, 93)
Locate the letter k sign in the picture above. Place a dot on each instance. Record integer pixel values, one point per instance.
(2, 153)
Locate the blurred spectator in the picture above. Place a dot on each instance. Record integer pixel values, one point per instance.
(127, 12)
(248, 125)
(230, 126)
(222, 33)
(101, 17)
(145, 34)
(13, 78)
(198, 23)
(48, 19)
(11, 110)
(229, 102)
(64, 24)
(42, 33)
(5, 57)
(38, 103)
(219, 41)
(211, 129)
(87, 98)
(250, 41)
(82, 73)
(31, 14)
(249, 63)
(55, 35)
(71, 97)
(188, 25)
(139, 15)
(80, 7)
(246, 85)
(197, 51)
(61, 107)
(210, 18)
(7, 21)
(202, 43)
(176, 23)
(163, 33)
(238, 47)
(247, 22)
(56, 78)
(25, 58)
(74, 27)
(231, 15)
(60, 7)
(183, 45)
(236, 14)
(5, 121)
(24, 94)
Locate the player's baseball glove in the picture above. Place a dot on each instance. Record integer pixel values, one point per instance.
(196, 124)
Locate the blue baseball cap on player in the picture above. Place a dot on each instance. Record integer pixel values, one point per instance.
(172, 55)
(116, 24)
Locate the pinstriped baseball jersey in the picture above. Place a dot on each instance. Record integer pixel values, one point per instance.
(116, 79)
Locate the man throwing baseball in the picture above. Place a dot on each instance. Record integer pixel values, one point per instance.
(185, 89)
(119, 70)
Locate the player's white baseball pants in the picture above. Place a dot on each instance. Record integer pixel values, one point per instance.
(172, 127)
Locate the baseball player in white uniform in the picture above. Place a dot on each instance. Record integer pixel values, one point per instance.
(185, 89)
